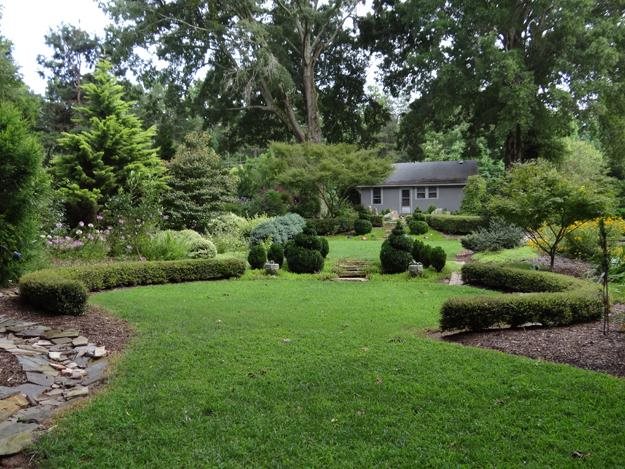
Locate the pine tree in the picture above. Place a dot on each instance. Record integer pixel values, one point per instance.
(108, 154)
(201, 185)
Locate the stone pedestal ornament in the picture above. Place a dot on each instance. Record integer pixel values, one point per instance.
(415, 269)
(272, 267)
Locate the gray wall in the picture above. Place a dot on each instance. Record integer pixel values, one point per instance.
(449, 198)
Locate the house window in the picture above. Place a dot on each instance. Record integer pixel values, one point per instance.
(376, 196)
(420, 192)
(433, 192)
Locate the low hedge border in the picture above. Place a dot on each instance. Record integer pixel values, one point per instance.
(542, 297)
(455, 224)
(64, 290)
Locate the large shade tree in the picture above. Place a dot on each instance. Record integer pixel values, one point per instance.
(517, 71)
(265, 70)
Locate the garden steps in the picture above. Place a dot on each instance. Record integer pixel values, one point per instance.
(352, 269)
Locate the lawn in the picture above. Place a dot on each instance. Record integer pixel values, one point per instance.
(319, 373)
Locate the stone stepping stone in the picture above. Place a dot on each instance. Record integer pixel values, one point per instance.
(95, 372)
(6, 391)
(36, 414)
(34, 332)
(32, 391)
(40, 379)
(456, 279)
(58, 334)
(15, 436)
(11, 405)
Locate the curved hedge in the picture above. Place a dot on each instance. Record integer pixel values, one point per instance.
(64, 290)
(547, 298)
(455, 224)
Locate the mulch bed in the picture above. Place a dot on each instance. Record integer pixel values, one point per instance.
(96, 324)
(11, 373)
(580, 345)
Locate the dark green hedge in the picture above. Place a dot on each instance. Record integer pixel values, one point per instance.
(455, 224)
(64, 290)
(549, 299)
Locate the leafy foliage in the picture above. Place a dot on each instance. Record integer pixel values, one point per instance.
(276, 253)
(438, 258)
(540, 199)
(565, 300)
(498, 235)
(257, 256)
(64, 290)
(362, 226)
(278, 229)
(304, 254)
(418, 227)
(109, 152)
(396, 252)
(22, 186)
(200, 185)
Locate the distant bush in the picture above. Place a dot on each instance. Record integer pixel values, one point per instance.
(418, 215)
(64, 290)
(362, 226)
(377, 221)
(304, 253)
(395, 255)
(324, 226)
(561, 300)
(455, 224)
(278, 229)
(426, 256)
(438, 258)
(257, 256)
(276, 254)
(172, 245)
(418, 227)
(499, 235)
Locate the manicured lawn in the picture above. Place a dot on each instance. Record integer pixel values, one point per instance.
(275, 372)
(507, 256)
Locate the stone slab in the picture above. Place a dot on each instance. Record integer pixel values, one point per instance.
(15, 436)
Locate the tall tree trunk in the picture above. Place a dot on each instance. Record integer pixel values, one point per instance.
(313, 121)
(514, 147)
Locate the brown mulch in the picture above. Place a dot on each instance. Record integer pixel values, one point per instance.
(11, 373)
(96, 324)
(567, 266)
(580, 345)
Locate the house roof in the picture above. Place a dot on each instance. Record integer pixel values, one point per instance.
(430, 172)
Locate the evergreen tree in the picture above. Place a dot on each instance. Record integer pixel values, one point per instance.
(200, 184)
(109, 154)
(22, 184)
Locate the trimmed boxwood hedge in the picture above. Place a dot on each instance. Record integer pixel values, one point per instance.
(64, 290)
(455, 224)
(547, 298)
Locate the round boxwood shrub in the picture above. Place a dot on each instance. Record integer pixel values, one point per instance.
(395, 255)
(276, 254)
(304, 254)
(362, 226)
(257, 256)
(438, 258)
(418, 227)
(417, 250)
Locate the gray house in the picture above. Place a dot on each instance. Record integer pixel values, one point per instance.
(411, 185)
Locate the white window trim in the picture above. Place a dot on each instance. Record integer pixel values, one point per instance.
(428, 192)
(381, 196)
(416, 193)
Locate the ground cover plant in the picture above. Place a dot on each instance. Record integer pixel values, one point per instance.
(327, 374)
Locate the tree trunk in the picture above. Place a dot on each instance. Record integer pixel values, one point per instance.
(313, 121)
(514, 147)
(552, 260)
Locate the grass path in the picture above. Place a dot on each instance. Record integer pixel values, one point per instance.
(277, 373)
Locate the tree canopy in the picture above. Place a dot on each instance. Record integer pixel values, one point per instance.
(517, 71)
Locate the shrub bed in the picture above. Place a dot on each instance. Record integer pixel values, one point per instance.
(549, 299)
(64, 290)
(455, 224)
(499, 235)
(279, 229)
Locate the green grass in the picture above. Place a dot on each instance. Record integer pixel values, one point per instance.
(324, 374)
(507, 256)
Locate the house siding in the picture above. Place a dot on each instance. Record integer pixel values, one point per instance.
(449, 198)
